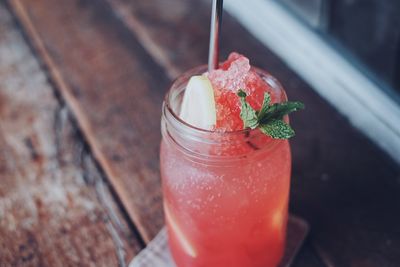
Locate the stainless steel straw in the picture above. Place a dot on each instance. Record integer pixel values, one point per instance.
(216, 20)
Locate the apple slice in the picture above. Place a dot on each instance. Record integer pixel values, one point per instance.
(198, 105)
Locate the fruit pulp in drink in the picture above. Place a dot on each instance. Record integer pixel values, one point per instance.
(221, 215)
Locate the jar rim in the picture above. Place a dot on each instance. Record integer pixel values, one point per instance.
(207, 144)
(202, 69)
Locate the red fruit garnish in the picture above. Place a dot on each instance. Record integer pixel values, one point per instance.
(233, 75)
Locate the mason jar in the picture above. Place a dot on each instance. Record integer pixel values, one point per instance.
(225, 193)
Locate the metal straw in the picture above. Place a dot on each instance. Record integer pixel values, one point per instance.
(216, 20)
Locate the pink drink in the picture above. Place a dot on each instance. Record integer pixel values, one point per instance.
(225, 193)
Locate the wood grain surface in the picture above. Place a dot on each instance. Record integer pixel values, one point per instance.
(55, 207)
(113, 89)
(112, 61)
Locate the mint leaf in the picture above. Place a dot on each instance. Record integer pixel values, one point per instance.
(265, 105)
(242, 93)
(277, 129)
(247, 114)
(270, 117)
(278, 110)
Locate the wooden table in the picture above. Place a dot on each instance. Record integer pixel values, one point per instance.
(81, 87)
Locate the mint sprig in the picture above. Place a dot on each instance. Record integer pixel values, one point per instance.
(269, 119)
(248, 114)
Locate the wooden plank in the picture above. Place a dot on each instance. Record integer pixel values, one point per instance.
(342, 182)
(174, 34)
(55, 208)
(115, 92)
(75, 101)
(344, 185)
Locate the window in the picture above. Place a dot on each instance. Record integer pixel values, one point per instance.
(369, 30)
(347, 50)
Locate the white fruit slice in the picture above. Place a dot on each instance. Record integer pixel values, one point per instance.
(186, 245)
(277, 219)
(198, 105)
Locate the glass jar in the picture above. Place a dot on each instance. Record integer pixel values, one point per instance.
(225, 193)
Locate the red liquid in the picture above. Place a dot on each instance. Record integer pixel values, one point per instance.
(226, 215)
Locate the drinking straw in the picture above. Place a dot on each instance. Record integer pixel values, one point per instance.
(216, 20)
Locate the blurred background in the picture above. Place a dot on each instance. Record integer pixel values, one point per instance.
(81, 88)
(366, 31)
